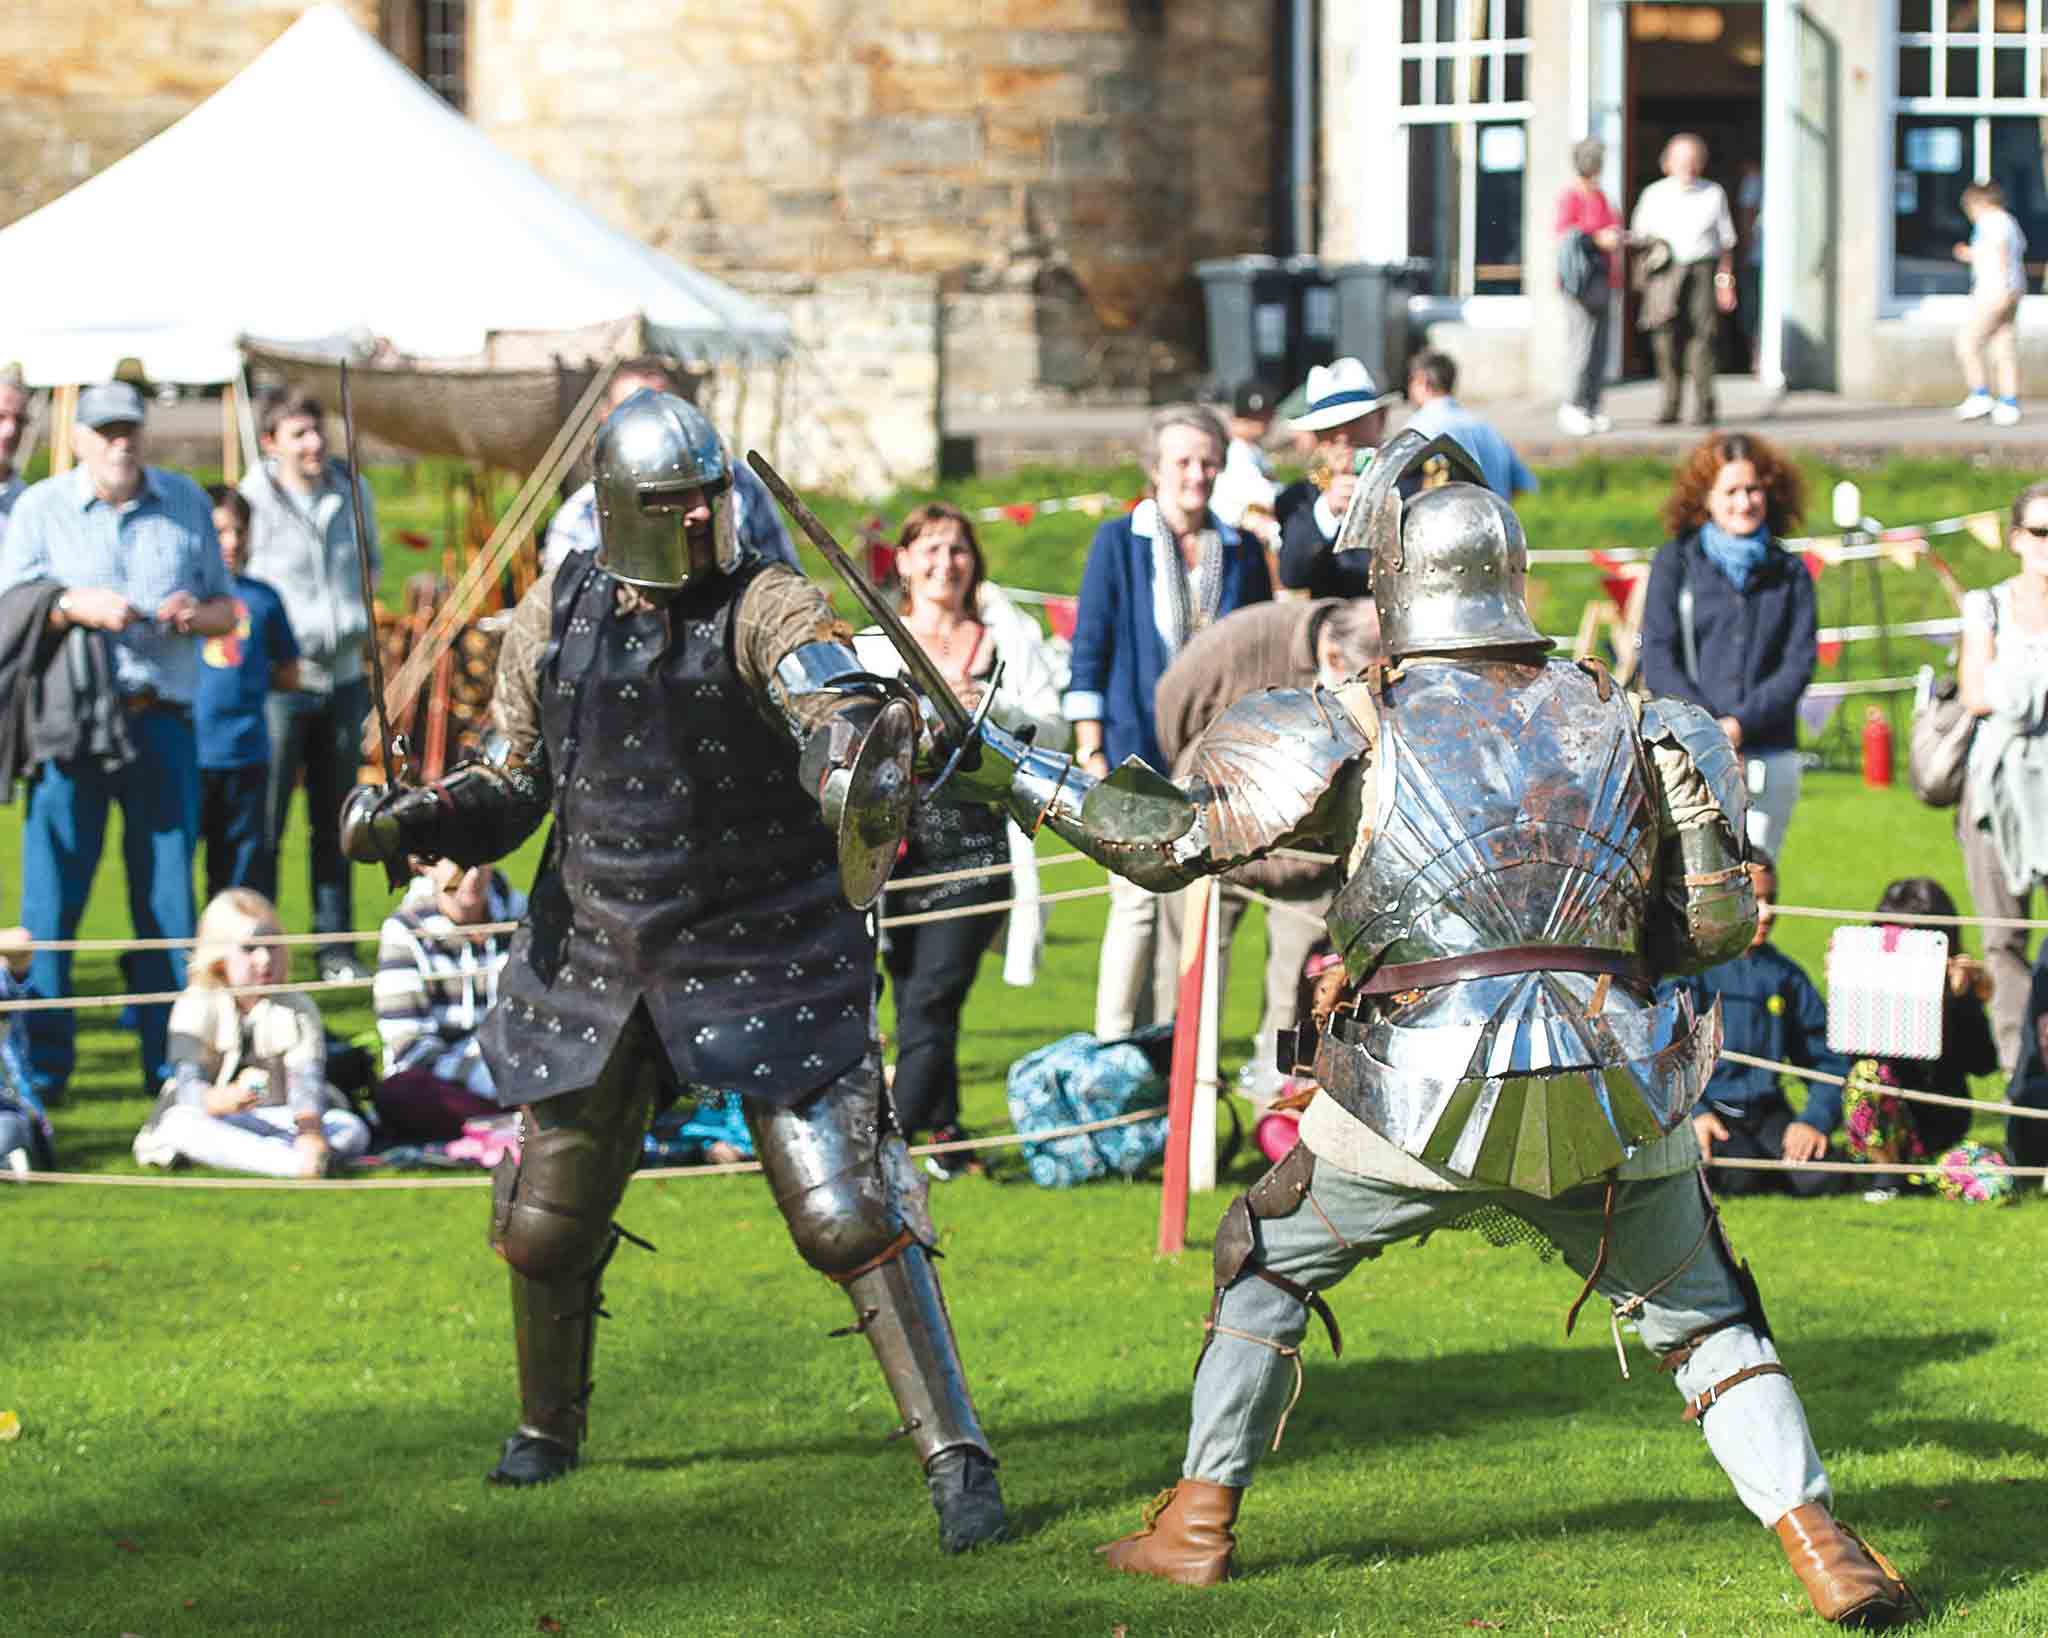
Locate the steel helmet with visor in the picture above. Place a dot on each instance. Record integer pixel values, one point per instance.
(655, 453)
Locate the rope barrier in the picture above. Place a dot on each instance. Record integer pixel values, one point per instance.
(1272, 903)
(152, 998)
(995, 909)
(1902, 918)
(896, 886)
(1867, 1167)
(1982, 1105)
(481, 929)
(652, 1174)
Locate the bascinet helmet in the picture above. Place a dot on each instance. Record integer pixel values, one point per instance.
(652, 452)
(1450, 567)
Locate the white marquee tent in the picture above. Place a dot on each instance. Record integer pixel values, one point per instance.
(369, 209)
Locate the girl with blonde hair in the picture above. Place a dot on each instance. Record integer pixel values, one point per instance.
(248, 1087)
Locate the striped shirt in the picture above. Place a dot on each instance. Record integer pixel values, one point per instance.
(434, 984)
(160, 542)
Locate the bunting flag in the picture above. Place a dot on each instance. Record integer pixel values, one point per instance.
(1987, 527)
(1817, 711)
(1060, 613)
(1615, 579)
(1814, 563)
(1829, 652)
(1020, 512)
(1094, 505)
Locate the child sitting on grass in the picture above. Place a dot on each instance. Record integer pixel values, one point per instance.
(25, 1137)
(248, 1089)
(1769, 1009)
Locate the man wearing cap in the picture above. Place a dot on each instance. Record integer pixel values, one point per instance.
(127, 550)
(1347, 413)
(13, 425)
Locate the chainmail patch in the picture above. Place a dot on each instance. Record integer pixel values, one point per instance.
(1503, 1228)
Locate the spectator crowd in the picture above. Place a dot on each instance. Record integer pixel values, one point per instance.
(195, 657)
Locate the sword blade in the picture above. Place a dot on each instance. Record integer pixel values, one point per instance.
(958, 719)
(387, 742)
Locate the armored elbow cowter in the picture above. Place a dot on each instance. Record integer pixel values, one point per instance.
(1705, 910)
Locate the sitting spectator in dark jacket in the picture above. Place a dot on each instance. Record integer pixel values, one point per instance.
(1769, 1009)
(435, 982)
(1346, 413)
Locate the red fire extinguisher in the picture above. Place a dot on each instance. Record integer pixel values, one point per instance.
(1877, 747)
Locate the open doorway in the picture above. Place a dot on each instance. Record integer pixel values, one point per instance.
(1700, 68)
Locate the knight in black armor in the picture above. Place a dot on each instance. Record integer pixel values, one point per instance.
(1527, 850)
(684, 712)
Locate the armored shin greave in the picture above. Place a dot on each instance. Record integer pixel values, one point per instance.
(1310, 1224)
(552, 1222)
(856, 1210)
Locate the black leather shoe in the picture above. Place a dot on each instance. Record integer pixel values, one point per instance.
(531, 1459)
(969, 1502)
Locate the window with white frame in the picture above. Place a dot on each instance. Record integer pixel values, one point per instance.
(1970, 102)
(1464, 110)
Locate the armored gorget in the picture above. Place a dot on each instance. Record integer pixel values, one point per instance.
(687, 869)
(1512, 820)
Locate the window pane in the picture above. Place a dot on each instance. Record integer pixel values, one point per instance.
(1497, 218)
(1915, 16)
(1962, 14)
(1411, 84)
(1517, 21)
(2010, 16)
(2017, 155)
(1479, 82)
(1446, 89)
(1433, 203)
(1916, 71)
(1962, 73)
(1411, 22)
(1933, 168)
(2008, 73)
(1447, 20)
(1518, 77)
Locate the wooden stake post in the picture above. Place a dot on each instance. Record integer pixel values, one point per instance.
(1191, 1090)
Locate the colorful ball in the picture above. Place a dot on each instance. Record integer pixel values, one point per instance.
(1974, 1174)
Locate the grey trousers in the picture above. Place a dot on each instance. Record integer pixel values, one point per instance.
(2005, 948)
(1694, 328)
(1586, 351)
(1757, 1430)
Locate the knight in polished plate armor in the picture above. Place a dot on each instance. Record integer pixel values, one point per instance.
(1526, 850)
(684, 711)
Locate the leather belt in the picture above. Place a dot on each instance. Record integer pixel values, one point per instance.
(145, 700)
(1515, 958)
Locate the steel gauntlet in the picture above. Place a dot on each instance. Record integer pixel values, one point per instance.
(479, 812)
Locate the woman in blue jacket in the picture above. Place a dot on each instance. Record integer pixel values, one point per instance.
(1154, 578)
(1729, 618)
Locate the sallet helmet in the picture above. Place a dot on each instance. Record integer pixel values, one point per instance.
(1450, 566)
(652, 452)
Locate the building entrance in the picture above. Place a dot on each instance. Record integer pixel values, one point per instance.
(1700, 68)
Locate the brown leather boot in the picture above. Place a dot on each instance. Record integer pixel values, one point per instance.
(1850, 1583)
(1186, 1537)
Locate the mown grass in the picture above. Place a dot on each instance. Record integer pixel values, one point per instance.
(259, 1413)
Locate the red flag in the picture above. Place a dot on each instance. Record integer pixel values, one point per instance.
(1060, 613)
(1829, 652)
(1613, 580)
(1021, 512)
(1814, 564)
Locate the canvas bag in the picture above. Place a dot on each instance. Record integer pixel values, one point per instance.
(1886, 986)
(1078, 1079)
(1938, 748)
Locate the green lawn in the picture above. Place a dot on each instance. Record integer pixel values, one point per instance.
(255, 1413)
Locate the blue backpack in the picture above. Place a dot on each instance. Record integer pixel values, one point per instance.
(1078, 1079)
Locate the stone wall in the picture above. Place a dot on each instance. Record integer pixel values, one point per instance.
(1090, 150)
(857, 409)
(82, 85)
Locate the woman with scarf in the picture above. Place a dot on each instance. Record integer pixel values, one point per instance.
(1729, 618)
(1154, 579)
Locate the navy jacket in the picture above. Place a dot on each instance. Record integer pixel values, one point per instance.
(1769, 1009)
(1118, 654)
(1756, 648)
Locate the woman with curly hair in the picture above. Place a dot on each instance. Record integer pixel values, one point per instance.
(1729, 618)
